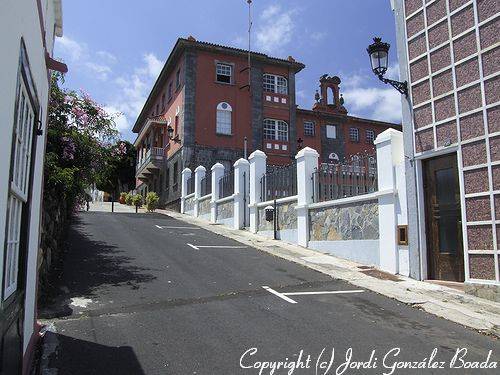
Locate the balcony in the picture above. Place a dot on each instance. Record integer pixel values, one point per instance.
(150, 163)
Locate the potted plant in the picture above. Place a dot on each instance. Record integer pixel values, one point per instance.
(123, 195)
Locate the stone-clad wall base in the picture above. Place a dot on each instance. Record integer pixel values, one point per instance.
(189, 206)
(357, 221)
(361, 251)
(287, 218)
(491, 292)
(204, 207)
(225, 213)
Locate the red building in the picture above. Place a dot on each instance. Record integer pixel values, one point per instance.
(207, 101)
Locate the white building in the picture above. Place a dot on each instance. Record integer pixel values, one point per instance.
(27, 32)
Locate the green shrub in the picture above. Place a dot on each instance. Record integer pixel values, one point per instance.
(152, 201)
(137, 200)
(129, 199)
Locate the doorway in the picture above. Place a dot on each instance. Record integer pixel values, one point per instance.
(445, 256)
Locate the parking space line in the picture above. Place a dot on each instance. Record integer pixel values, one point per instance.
(278, 294)
(194, 247)
(323, 292)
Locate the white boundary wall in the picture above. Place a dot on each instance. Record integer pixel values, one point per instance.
(383, 252)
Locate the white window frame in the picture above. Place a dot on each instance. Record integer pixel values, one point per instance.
(309, 129)
(331, 131)
(224, 119)
(370, 136)
(354, 134)
(276, 130)
(18, 186)
(224, 69)
(275, 84)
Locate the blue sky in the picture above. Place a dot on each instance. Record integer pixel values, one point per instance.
(116, 48)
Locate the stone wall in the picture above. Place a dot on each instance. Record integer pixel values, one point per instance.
(225, 210)
(287, 218)
(189, 205)
(204, 207)
(356, 221)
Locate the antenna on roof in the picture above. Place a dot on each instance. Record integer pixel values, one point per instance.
(249, 2)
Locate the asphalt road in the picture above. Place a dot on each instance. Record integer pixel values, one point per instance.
(134, 298)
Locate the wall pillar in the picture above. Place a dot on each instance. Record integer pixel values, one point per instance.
(199, 173)
(390, 154)
(307, 162)
(217, 174)
(185, 175)
(257, 161)
(241, 192)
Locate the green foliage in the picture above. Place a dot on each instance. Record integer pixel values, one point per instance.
(152, 200)
(79, 135)
(123, 195)
(118, 167)
(128, 199)
(137, 200)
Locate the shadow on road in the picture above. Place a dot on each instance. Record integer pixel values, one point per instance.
(86, 268)
(93, 358)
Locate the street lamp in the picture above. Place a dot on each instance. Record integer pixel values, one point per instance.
(379, 59)
(170, 133)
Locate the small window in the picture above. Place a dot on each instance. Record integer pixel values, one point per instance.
(354, 134)
(157, 109)
(275, 130)
(224, 73)
(309, 128)
(224, 112)
(170, 91)
(178, 78)
(163, 102)
(331, 131)
(275, 84)
(370, 136)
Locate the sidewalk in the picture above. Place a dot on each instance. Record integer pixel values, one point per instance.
(449, 303)
(118, 207)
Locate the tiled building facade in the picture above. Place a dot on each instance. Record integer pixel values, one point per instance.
(449, 52)
(211, 102)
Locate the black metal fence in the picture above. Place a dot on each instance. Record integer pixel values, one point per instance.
(278, 182)
(206, 184)
(226, 185)
(190, 185)
(356, 175)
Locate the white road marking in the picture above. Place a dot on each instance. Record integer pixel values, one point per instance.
(169, 227)
(198, 247)
(280, 295)
(323, 292)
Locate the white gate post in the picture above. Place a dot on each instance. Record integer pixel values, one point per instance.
(257, 161)
(199, 173)
(185, 175)
(241, 177)
(217, 173)
(389, 145)
(307, 161)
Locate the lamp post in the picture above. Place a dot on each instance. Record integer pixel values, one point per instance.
(379, 59)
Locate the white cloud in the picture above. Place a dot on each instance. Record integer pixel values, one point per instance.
(317, 35)
(153, 65)
(121, 120)
(70, 47)
(367, 96)
(80, 57)
(275, 29)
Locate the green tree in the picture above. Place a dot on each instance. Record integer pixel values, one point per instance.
(118, 170)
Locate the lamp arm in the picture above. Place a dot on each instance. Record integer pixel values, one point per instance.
(402, 87)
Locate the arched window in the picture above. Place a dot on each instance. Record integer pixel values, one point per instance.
(275, 84)
(224, 112)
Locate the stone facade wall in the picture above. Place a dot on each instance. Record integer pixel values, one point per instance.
(357, 221)
(287, 217)
(204, 206)
(189, 205)
(225, 210)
